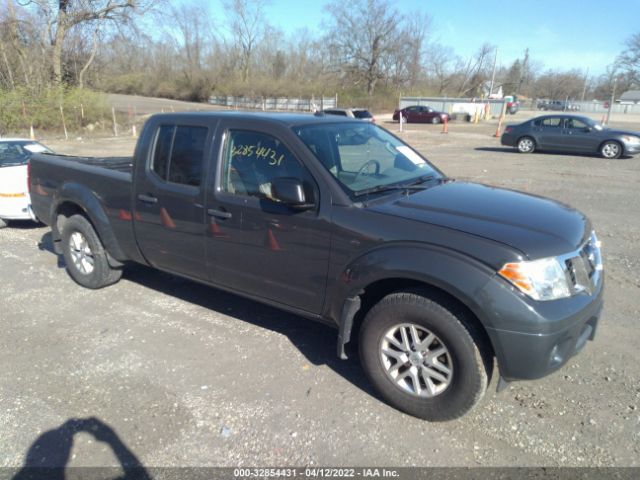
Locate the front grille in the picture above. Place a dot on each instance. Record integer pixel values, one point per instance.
(583, 267)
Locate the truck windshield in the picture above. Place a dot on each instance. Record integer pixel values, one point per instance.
(363, 156)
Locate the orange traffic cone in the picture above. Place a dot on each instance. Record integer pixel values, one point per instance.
(497, 134)
(166, 219)
(272, 243)
(445, 125)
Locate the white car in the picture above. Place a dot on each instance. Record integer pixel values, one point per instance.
(15, 203)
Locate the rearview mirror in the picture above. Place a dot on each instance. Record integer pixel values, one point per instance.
(290, 192)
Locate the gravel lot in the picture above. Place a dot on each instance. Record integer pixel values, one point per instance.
(186, 375)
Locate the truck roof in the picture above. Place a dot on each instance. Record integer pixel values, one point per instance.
(285, 118)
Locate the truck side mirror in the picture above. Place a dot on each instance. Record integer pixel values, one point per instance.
(290, 192)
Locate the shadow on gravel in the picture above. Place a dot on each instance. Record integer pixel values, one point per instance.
(24, 224)
(547, 152)
(49, 454)
(46, 244)
(316, 341)
(496, 149)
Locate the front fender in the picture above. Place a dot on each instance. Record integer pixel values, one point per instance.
(459, 275)
(91, 205)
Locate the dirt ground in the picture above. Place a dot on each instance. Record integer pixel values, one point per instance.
(187, 375)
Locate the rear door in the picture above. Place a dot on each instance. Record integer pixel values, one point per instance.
(255, 244)
(169, 199)
(550, 132)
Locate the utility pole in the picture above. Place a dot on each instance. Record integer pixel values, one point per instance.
(584, 90)
(493, 75)
(613, 97)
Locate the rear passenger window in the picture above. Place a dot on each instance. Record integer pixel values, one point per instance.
(552, 122)
(179, 154)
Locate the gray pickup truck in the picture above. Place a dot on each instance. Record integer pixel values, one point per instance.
(341, 222)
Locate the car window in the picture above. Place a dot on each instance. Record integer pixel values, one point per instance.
(18, 152)
(363, 156)
(361, 114)
(336, 112)
(179, 154)
(575, 123)
(252, 160)
(552, 122)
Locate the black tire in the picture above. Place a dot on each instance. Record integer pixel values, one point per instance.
(466, 354)
(3, 223)
(101, 274)
(611, 150)
(526, 145)
(435, 120)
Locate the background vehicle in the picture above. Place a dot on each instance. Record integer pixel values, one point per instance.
(14, 193)
(420, 114)
(339, 221)
(513, 105)
(558, 105)
(570, 133)
(359, 113)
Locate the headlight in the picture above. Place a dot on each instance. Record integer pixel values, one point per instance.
(542, 279)
(631, 139)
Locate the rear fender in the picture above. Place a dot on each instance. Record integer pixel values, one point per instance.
(80, 196)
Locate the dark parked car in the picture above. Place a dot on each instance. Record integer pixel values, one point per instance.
(420, 114)
(570, 133)
(558, 106)
(338, 221)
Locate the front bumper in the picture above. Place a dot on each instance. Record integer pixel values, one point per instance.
(533, 339)
(631, 148)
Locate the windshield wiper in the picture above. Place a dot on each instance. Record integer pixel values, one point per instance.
(415, 185)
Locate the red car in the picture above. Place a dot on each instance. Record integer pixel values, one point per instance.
(420, 114)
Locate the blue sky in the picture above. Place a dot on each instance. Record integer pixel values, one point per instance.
(562, 34)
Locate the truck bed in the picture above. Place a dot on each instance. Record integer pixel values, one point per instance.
(56, 179)
(120, 164)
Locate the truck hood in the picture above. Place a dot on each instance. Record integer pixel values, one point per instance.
(536, 226)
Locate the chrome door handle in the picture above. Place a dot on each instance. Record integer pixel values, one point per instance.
(147, 198)
(219, 213)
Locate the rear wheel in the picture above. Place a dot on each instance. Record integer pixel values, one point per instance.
(526, 145)
(422, 358)
(611, 150)
(435, 120)
(85, 256)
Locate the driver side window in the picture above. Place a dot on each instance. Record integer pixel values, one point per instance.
(252, 160)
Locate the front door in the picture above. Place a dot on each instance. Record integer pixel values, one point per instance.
(579, 137)
(169, 200)
(255, 244)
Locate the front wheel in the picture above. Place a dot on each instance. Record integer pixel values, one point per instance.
(85, 256)
(3, 223)
(526, 145)
(611, 150)
(422, 358)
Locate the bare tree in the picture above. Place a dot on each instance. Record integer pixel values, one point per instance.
(63, 15)
(361, 33)
(247, 25)
(629, 60)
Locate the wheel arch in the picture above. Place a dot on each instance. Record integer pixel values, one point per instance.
(74, 199)
(429, 270)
